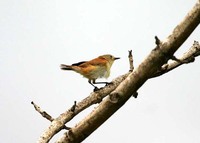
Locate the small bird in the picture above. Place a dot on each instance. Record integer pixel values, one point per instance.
(93, 69)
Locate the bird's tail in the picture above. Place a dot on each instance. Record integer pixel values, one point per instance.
(66, 67)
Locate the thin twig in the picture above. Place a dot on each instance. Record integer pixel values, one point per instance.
(73, 107)
(157, 41)
(45, 114)
(130, 56)
(188, 57)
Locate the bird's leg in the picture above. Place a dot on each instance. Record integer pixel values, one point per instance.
(95, 88)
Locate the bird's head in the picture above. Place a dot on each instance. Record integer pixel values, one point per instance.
(110, 58)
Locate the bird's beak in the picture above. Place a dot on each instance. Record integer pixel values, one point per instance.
(116, 58)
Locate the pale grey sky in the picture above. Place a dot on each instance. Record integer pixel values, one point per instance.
(36, 36)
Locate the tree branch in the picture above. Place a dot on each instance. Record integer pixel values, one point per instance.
(188, 57)
(45, 114)
(129, 84)
(158, 57)
(93, 98)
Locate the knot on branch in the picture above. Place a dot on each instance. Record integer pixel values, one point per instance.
(70, 137)
(135, 94)
(114, 97)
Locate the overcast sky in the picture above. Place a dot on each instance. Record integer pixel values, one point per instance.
(36, 36)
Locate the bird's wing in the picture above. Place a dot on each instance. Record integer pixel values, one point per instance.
(95, 62)
(89, 69)
(79, 63)
(98, 61)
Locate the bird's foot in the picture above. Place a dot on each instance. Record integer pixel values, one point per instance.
(108, 83)
(96, 89)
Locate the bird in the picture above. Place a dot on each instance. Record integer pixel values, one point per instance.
(93, 69)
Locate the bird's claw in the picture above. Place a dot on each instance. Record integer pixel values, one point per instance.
(96, 89)
(108, 83)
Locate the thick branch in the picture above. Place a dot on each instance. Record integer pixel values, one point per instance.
(158, 57)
